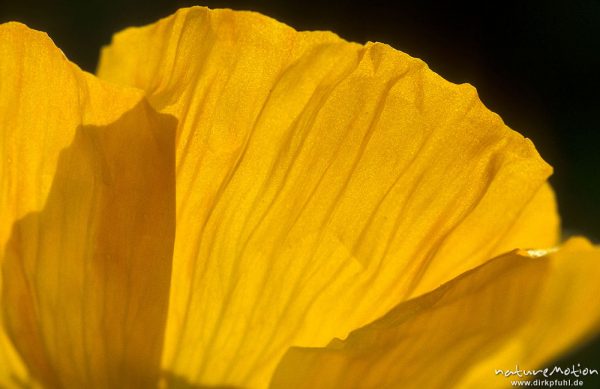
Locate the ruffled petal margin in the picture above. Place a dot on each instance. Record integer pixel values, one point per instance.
(87, 223)
(319, 184)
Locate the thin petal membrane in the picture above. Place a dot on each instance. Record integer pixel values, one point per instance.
(515, 310)
(87, 220)
(319, 184)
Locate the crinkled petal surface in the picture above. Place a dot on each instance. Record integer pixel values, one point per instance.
(515, 309)
(319, 184)
(87, 222)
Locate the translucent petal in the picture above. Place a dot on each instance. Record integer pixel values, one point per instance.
(515, 310)
(87, 220)
(319, 184)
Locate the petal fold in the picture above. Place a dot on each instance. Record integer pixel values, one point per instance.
(87, 222)
(319, 184)
(514, 310)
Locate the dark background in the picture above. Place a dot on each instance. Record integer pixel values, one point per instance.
(537, 64)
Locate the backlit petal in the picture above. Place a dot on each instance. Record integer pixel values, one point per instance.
(12, 369)
(538, 225)
(514, 310)
(87, 212)
(319, 183)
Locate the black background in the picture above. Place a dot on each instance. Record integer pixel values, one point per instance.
(536, 64)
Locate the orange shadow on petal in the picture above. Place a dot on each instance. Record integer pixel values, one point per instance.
(86, 280)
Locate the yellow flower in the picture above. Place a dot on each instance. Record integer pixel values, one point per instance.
(229, 197)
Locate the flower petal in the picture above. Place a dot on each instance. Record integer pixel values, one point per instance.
(514, 310)
(538, 225)
(319, 183)
(12, 368)
(87, 218)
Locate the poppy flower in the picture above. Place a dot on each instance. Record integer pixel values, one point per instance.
(233, 203)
